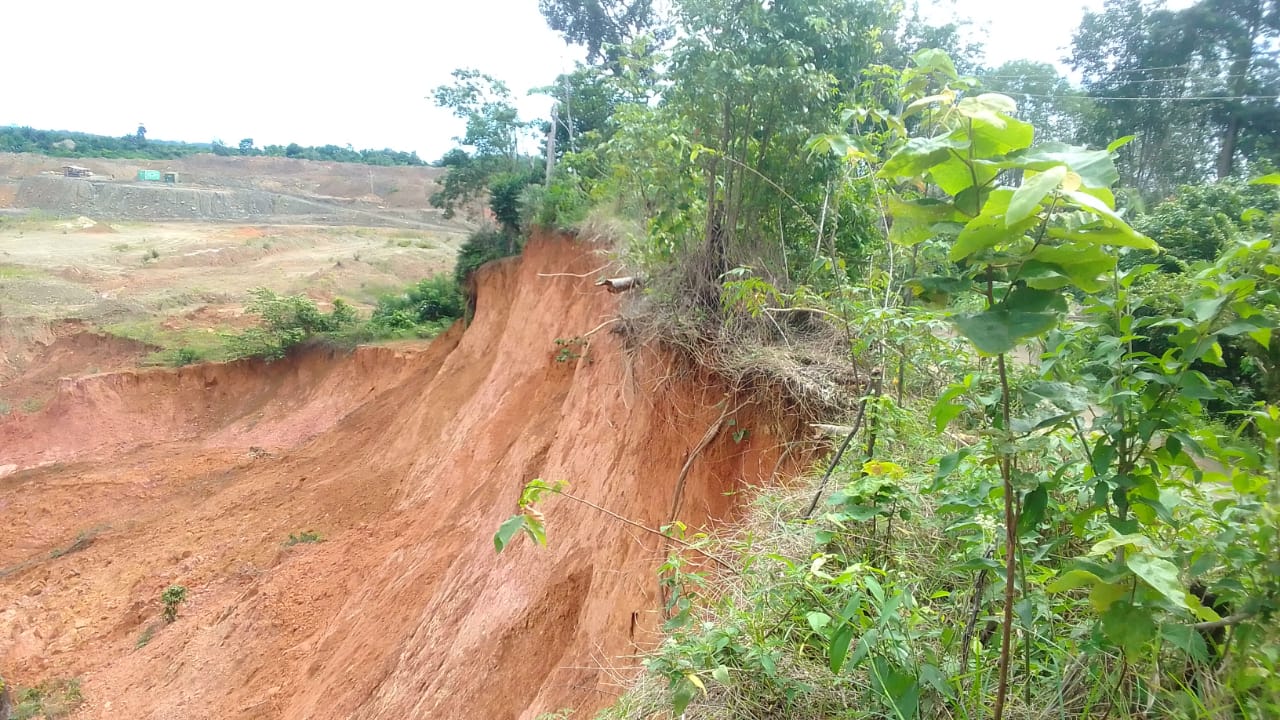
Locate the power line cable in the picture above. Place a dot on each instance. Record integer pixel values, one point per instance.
(1131, 82)
(1175, 98)
(1110, 71)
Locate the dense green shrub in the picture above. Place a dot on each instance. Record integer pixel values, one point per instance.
(481, 247)
(423, 310)
(1201, 220)
(288, 321)
(560, 206)
(505, 190)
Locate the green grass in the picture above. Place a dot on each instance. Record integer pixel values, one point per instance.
(307, 537)
(147, 633)
(14, 272)
(51, 699)
(83, 540)
(31, 220)
(173, 347)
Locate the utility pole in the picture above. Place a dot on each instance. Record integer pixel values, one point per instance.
(551, 142)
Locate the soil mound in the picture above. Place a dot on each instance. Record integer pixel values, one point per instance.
(35, 356)
(404, 462)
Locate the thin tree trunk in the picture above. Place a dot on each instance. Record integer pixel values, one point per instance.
(1239, 84)
(1227, 152)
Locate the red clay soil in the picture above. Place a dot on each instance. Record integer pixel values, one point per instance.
(405, 461)
(35, 356)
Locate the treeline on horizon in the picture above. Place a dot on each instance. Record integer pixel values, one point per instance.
(137, 147)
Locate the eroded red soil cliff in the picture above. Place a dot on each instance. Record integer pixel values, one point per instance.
(405, 461)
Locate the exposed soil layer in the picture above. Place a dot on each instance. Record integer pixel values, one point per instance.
(405, 461)
(400, 187)
(141, 201)
(35, 356)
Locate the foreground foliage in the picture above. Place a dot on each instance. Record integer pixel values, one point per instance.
(1076, 517)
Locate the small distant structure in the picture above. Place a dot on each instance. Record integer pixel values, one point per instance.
(171, 177)
(149, 175)
(75, 171)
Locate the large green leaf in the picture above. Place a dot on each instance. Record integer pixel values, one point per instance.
(1272, 179)
(986, 231)
(934, 59)
(992, 108)
(913, 220)
(1096, 168)
(1120, 142)
(818, 620)
(1023, 299)
(945, 409)
(919, 154)
(1071, 580)
(1160, 574)
(1104, 594)
(1033, 507)
(955, 175)
(924, 102)
(838, 647)
(1034, 189)
(988, 102)
(1204, 309)
(999, 329)
(1186, 639)
(1043, 276)
(991, 139)
(1128, 626)
(506, 531)
(1082, 262)
(683, 693)
(899, 687)
(1127, 236)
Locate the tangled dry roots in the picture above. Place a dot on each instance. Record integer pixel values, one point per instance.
(794, 359)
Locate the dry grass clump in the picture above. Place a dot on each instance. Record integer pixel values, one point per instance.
(798, 358)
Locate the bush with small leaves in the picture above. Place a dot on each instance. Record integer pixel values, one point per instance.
(171, 598)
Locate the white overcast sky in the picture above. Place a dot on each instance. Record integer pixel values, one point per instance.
(318, 72)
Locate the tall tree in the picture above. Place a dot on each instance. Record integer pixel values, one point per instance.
(1238, 43)
(601, 26)
(957, 37)
(494, 127)
(1166, 76)
(752, 83)
(1045, 98)
(493, 133)
(1135, 59)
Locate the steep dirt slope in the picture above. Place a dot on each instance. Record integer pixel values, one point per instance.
(406, 462)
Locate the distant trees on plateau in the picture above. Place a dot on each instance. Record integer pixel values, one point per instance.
(137, 146)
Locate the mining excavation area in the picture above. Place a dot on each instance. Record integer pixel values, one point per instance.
(330, 515)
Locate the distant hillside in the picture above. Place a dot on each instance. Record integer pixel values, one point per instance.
(69, 144)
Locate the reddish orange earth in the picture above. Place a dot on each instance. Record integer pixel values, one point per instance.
(405, 461)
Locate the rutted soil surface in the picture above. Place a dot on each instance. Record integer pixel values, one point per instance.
(400, 187)
(51, 270)
(405, 461)
(151, 201)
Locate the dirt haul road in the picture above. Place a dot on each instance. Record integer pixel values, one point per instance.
(404, 461)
